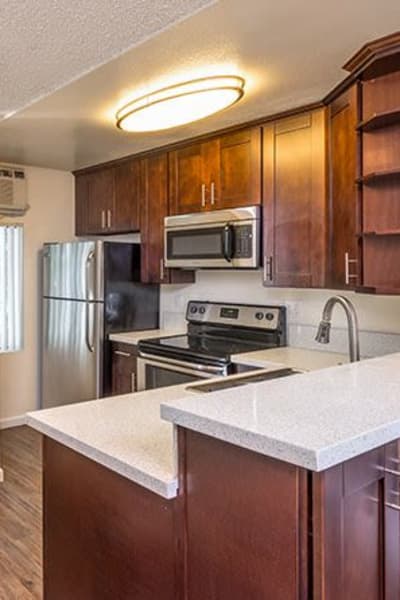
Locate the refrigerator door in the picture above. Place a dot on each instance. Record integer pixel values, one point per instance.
(72, 351)
(73, 270)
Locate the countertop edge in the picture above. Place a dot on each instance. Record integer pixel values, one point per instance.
(166, 489)
(300, 456)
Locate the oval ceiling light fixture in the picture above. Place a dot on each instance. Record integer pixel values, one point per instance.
(179, 104)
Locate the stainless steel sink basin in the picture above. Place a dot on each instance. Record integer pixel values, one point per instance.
(231, 382)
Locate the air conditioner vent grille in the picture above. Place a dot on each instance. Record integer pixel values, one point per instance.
(13, 191)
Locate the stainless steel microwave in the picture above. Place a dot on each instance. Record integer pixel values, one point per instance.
(218, 239)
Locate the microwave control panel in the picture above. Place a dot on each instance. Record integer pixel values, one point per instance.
(243, 244)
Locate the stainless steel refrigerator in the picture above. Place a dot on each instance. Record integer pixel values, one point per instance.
(90, 289)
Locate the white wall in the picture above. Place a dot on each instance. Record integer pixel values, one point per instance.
(50, 218)
(377, 314)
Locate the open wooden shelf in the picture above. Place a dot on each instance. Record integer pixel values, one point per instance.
(377, 176)
(382, 233)
(379, 289)
(380, 120)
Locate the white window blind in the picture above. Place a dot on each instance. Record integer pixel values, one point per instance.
(11, 284)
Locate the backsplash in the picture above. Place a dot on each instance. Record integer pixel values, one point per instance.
(379, 316)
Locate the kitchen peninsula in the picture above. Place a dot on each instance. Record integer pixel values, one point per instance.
(280, 484)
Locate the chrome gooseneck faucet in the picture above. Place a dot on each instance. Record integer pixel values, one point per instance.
(323, 334)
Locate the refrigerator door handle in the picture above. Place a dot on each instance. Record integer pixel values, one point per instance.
(89, 344)
(89, 260)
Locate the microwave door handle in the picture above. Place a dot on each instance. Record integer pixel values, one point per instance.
(227, 242)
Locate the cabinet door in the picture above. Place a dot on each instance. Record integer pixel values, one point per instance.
(392, 522)
(343, 266)
(246, 525)
(81, 203)
(239, 179)
(187, 188)
(125, 212)
(154, 209)
(347, 529)
(94, 196)
(154, 181)
(124, 357)
(294, 201)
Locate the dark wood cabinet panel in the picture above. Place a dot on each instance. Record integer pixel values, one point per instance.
(392, 522)
(123, 368)
(224, 172)
(294, 191)
(343, 268)
(187, 188)
(245, 523)
(94, 197)
(154, 208)
(348, 529)
(126, 210)
(104, 536)
(239, 181)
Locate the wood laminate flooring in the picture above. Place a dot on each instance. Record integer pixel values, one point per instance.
(21, 515)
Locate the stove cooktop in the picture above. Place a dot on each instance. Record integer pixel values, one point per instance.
(211, 348)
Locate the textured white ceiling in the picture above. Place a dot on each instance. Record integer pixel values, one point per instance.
(290, 53)
(45, 44)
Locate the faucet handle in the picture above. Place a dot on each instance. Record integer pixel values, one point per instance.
(324, 332)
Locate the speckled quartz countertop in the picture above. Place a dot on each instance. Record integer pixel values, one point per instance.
(123, 433)
(298, 358)
(133, 337)
(314, 420)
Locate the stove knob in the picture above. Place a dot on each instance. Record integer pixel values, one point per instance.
(202, 310)
(259, 315)
(269, 316)
(193, 309)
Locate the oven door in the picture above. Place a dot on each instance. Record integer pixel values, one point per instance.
(155, 372)
(230, 244)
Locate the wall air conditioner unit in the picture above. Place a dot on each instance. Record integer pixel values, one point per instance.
(13, 191)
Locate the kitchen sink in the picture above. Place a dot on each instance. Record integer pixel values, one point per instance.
(232, 382)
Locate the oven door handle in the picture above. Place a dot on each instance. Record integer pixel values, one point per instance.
(227, 242)
(179, 363)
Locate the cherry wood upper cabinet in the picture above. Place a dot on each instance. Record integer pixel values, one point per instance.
(154, 208)
(126, 210)
(187, 179)
(94, 196)
(224, 172)
(107, 200)
(239, 181)
(294, 191)
(342, 212)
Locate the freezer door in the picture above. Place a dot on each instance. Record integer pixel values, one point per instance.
(72, 349)
(73, 270)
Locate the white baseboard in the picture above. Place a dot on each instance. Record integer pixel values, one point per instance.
(12, 422)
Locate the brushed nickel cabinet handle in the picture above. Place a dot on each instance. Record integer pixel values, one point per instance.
(212, 193)
(393, 506)
(103, 219)
(347, 262)
(133, 382)
(121, 353)
(109, 218)
(161, 269)
(203, 195)
(268, 275)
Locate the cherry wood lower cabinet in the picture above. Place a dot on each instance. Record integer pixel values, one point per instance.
(243, 527)
(245, 523)
(105, 538)
(257, 528)
(123, 368)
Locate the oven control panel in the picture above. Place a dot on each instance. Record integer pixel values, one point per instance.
(239, 315)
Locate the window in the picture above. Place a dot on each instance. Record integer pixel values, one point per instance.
(11, 282)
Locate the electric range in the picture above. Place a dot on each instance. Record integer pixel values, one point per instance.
(215, 332)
